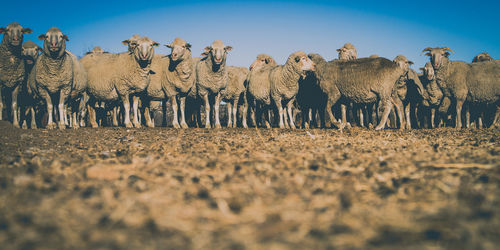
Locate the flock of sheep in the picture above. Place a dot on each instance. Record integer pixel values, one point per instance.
(56, 87)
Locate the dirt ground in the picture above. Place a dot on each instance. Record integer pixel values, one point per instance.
(161, 188)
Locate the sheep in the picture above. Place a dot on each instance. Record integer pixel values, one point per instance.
(407, 92)
(432, 90)
(347, 52)
(113, 78)
(482, 57)
(57, 71)
(284, 81)
(211, 79)
(179, 78)
(258, 92)
(30, 53)
(476, 83)
(365, 80)
(12, 70)
(234, 92)
(154, 91)
(96, 50)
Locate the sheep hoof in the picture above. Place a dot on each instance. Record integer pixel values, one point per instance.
(62, 125)
(137, 125)
(217, 125)
(150, 125)
(229, 125)
(184, 125)
(176, 125)
(129, 125)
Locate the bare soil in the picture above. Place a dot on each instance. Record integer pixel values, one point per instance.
(162, 188)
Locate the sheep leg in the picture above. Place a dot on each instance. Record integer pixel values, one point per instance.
(245, 113)
(408, 119)
(398, 106)
(343, 109)
(126, 111)
(66, 121)
(15, 95)
(387, 110)
(496, 119)
(285, 117)
(175, 108)
(361, 117)
(216, 109)
(332, 118)
(305, 119)
(280, 112)
(147, 114)
(135, 108)
(458, 123)
(267, 117)
(290, 114)
(207, 110)
(164, 113)
(235, 110)
(33, 117)
(183, 112)
(433, 117)
(92, 115)
(50, 109)
(467, 115)
(63, 95)
(229, 106)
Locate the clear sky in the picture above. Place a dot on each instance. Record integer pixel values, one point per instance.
(277, 28)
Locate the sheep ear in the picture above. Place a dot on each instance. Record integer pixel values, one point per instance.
(27, 31)
(208, 48)
(188, 46)
(168, 46)
(410, 62)
(65, 37)
(297, 58)
(125, 42)
(338, 50)
(3, 30)
(42, 37)
(155, 44)
(422, 69)
(228, 48)
(204, 54)
(446, 54)
(428, 54)
(267, 60)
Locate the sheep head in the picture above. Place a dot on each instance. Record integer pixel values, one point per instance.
(347, 52)
(433, 91)
(54, 42)
(403, 62)
(178, 48)
(301, 63)
(482, 57)
(143, 50)
(261, 60)
(30, 52)
(129, 41)
(14, 34)
(437, 55)
(218, 52)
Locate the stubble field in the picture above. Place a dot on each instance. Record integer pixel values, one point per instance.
(162, 188)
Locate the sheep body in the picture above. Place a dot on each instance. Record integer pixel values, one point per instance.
(237, 77)
(364, 80)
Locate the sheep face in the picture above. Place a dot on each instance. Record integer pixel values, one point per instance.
(301, 63)
(30, 52)
(428, 71)
(143, 50)
(437, 55)
(262, 60)
(403, 62)
(129, 42)
(178, 48)
(14, 33)
(482, 57)
(218, 52)
(54, 41)
(347, 52)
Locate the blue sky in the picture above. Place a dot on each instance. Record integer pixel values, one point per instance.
(277, 28)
